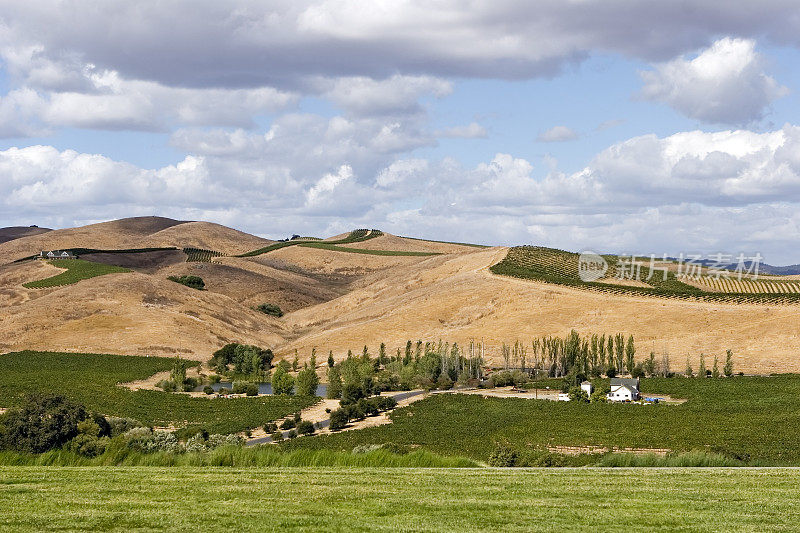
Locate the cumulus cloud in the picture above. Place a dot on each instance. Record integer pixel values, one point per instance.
(557, 134)
(725, 84)
(689, 191)
(242, 43)
(473, 130)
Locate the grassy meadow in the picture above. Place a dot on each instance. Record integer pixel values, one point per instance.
(750, 419)
(370, 499)
(91, 379)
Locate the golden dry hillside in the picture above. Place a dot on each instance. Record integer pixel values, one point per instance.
(344, 296)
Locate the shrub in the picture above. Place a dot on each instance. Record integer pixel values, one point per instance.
(339, 420)
(503, 456)
(118, 425)
(444, 383)
(189, 384)
(270, 309)
(167, 385)
(305, 427)
(42, 423)
(270, 427)
(292, 434)
(386, 403)
(214, 378)
(351, 393)
(208, 389)
(288, 424)
(277, 436)
(297, 417)
(193, 282)
(577, 394)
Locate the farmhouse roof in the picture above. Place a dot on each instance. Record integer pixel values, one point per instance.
(629, 383)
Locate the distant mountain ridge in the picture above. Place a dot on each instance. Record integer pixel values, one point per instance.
(17, 232)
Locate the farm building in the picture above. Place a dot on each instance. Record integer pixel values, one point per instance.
(56, 254)
(624, 390)
(587, 387)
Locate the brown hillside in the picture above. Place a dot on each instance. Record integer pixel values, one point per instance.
(393, 242)
(117, 234)
(131, 313)
(208, 236)
(17, 232)
(456, 298)
(338, 301)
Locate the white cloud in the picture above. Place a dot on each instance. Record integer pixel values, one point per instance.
(557, 134)
(727, 190)
(242, 44)
(328, 183)
(724, 84)
(473, 130)
(397, 94)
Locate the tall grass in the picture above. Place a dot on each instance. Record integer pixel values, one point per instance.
(235, 456)
(694, 458)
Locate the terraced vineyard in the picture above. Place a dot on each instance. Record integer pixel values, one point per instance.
(76, 270)
(358, 235)
(561, 267)
(758, 286)
(199, 255)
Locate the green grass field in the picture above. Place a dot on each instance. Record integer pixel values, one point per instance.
(354, 499)
(755, 419)
(76, 270)
(91, 379)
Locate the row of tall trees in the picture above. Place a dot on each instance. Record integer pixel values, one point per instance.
(714, 371)
(559, 356)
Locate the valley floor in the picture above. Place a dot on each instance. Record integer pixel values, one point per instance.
(352, 499)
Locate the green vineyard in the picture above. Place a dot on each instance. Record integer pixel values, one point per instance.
(75, 270)
(358, 235)
(199, 255)
(561, 267)
(750, 286)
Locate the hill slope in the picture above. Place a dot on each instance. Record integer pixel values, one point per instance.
(336, 299)
(17, 232)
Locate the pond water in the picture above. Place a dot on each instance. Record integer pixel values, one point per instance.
(263, 388)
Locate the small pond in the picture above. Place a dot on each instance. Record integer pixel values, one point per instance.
(263, 388)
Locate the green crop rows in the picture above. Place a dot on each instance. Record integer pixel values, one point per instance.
(76, 270)
(748, 418)
(92, 380)
(199, 255)
(358, 235)
(561, 267)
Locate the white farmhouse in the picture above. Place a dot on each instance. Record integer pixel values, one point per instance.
(623, 390)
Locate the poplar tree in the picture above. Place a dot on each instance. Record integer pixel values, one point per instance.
(728, 369)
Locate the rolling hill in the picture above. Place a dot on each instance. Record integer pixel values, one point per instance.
(365, 291)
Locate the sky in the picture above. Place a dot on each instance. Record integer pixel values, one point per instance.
(617, 126)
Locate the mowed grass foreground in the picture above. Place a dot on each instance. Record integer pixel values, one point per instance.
(76, 270)
(353, 499)
(92, 380)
